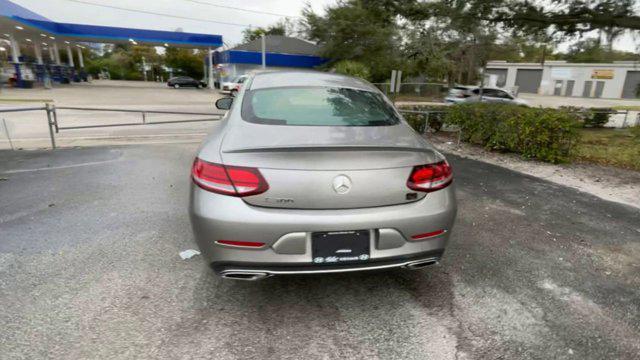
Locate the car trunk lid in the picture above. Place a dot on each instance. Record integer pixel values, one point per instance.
(329, 167)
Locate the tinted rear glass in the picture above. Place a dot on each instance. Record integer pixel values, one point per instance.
(317, 106)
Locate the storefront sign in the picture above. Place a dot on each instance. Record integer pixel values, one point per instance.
(602, 74)
(561, 73)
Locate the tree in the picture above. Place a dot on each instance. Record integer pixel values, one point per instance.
(185, 61)
(123, 61)
(353, 68)
(564, 16)
(591, 51)
(358, 30)
(541, 22)
(281, 28)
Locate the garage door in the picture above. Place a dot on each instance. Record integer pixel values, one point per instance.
(630, 89)
(502, 76)
(528, 80)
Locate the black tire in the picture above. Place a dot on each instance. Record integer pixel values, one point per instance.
(233, 93)
(176, 86)
(199, 86)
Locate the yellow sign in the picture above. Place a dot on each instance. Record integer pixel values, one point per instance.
(602, 74)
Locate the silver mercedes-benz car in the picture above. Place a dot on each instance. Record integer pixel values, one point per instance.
(313, 172)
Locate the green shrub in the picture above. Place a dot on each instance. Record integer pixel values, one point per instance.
(635, 132)
(590, 117)
(599, 117)
(353, 68)
(544, 134)
(417, 121)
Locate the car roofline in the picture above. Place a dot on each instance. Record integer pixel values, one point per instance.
(350, 83)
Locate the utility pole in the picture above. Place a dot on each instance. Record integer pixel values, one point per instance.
(144, 68)
(264, 52)
(484, 69)
(210, 72)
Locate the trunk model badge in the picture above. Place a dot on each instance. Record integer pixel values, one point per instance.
(341, 184)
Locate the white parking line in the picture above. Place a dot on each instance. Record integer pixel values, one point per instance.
(58, 167)
(106, 137)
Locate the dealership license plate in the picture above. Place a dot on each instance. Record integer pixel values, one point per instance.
(337, 247)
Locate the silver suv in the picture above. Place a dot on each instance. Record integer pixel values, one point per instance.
(468, 94)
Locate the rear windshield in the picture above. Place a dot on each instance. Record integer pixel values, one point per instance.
(317, 106)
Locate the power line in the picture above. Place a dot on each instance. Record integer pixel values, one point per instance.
(242, 9)
(158, 14)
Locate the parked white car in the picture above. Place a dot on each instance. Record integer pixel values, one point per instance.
(232, 87)
(468, 94)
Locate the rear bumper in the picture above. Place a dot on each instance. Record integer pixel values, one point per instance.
(287, 232)
(268, 269)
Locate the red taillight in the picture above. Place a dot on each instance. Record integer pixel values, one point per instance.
(430, 177)
(228, 180)
(251, 244)
(428, 235)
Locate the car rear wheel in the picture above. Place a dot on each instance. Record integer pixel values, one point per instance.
(199, 86)
(175, 86)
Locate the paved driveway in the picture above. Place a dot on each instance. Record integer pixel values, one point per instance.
(89, 268)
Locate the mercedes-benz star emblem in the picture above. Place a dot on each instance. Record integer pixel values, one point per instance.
(341, 184)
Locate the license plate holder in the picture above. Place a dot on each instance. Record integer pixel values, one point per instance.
(340, 247)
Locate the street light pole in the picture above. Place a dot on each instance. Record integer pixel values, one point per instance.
(144, 68)
(210, 73)
(264, 52)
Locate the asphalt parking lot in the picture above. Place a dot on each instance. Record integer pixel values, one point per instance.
(89, 268)
(29, 130)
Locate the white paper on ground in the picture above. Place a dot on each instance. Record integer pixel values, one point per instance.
(188, 254)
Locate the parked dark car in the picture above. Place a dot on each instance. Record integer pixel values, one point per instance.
(185, 81)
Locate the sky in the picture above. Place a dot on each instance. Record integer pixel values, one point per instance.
(232, 22)
(212, 17)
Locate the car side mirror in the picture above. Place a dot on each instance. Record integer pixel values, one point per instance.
(224, 103)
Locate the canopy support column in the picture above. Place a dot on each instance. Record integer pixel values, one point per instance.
(15, 58)
(15, 50)
(70, 56)
(56, 54)
(38, 51)
(80, 58)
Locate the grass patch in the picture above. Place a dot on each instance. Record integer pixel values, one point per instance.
(627, 107)
(616, 147)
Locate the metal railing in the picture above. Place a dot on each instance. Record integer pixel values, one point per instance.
(423, 127)
(143, 114)
(54, 125)
(428, 90)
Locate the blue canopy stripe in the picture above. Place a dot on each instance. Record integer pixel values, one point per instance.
(272, 59)
(105, 33)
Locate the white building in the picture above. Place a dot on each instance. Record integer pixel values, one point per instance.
(620, 79)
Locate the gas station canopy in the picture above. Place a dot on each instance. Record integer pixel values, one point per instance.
(24, 24)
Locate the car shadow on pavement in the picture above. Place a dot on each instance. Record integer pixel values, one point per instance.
(318, 308)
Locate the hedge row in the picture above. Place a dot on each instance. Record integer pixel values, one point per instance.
(543, 134)
(591, 117)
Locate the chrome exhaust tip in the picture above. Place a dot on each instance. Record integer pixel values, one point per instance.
(244, 275)
(419, 264)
